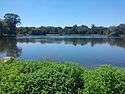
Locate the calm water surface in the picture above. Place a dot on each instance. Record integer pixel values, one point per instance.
(86, 51)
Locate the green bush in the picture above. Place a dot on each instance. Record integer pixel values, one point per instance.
(49, 77)
(105, 80)
(45, 77)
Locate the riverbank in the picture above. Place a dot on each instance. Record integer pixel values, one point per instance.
(20, 36)
(50, 77)
(68, 36)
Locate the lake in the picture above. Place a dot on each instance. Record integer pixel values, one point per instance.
(86, 51)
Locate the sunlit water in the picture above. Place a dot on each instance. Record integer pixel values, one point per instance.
(86, 51)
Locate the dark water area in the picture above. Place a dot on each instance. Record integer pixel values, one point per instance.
(86, 51)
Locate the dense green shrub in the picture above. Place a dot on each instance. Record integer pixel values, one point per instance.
(49, 77)
(105, 80)
(40, 78)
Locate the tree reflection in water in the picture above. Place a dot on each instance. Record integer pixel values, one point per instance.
(77, 41)
(8, 46)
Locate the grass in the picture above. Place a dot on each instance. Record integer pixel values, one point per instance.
(50, 77)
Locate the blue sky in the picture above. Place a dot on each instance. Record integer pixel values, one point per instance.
(66, 12)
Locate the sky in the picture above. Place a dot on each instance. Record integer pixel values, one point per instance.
(65, 12)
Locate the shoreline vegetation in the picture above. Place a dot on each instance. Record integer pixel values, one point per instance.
(8, 28)
(51, 77)
(69, 36)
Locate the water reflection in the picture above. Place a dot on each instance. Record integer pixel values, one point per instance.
(8, 47)
(87, 51)
(76, 41)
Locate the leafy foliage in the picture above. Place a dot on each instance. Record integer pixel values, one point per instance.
(8, 24)
(105, 80)
(49, 77)
(22, 77)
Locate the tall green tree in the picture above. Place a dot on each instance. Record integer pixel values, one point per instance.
(12, 21)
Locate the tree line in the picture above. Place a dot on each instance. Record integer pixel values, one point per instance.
(112, 30)
(10, 21)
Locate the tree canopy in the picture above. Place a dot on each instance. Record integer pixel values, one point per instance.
(10, 21)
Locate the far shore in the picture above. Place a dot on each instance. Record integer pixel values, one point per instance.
(64, 36)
